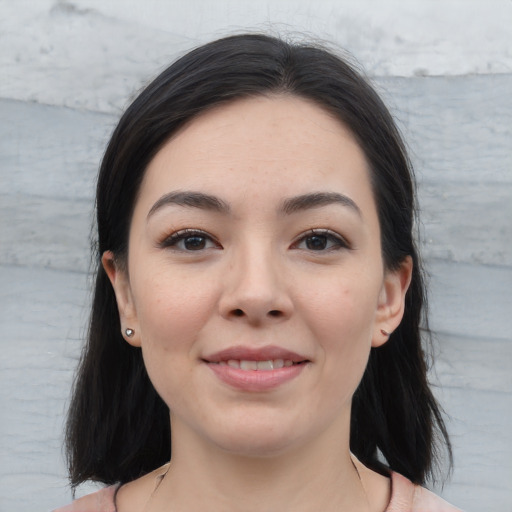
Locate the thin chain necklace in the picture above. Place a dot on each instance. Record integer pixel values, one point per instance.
(161, 479)
(362, 485)
(157, 486)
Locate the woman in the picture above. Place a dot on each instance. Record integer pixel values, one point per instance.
(258, 297)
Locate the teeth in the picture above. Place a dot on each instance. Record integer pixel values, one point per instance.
(270, 364)
(248, 365)
(265, 365)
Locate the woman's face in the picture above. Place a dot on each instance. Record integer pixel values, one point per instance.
(255, 283)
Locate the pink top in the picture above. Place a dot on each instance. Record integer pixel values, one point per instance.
(405, 497)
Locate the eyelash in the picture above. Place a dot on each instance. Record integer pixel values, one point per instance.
(337, 241)
(183, 234)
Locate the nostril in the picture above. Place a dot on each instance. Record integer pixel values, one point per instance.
(239, 313)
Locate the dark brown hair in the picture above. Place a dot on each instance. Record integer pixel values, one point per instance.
(118, 427)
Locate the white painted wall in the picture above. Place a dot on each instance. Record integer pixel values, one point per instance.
(91, 53)
(67, 70)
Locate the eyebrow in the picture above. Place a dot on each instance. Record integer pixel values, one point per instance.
(192, 200)
(317, 200)
(289, 206)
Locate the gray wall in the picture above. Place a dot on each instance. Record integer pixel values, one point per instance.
(67, 71)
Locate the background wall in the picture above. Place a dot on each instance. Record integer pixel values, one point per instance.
(68, 69)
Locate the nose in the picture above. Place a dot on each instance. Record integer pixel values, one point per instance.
(256, 290)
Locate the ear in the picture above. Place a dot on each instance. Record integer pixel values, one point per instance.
(127, 313)
(391, 304)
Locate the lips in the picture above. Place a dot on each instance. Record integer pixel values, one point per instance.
(252, 365)
(268, 353)
(254, 370)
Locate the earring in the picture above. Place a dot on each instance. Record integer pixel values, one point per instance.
(129, 332)
(385, 333)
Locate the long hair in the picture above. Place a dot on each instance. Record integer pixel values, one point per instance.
(118, 427)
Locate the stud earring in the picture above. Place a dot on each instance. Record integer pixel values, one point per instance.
(129, 332)
(385, 333)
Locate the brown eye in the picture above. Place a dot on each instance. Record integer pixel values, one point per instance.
(316, 242)
(189, 241)
(194, 243)
(321, 240)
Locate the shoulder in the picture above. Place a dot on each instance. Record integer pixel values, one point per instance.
(130, 496)
(100, 501)
(407, 497)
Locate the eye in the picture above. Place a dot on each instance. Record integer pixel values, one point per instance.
(321, 240)
(189, 240)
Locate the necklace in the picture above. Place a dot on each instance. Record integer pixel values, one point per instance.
(163, 475)
(362, 485)
(157, 486)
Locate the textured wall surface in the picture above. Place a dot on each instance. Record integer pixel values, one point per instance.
(67, 71)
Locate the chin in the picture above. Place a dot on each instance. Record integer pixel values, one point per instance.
(263, 438)
(249, 434)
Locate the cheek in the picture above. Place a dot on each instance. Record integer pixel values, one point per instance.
(171, 310)
(343, 309)
(171, 313)
(341, 317)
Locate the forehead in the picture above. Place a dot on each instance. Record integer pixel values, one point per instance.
(272, 146)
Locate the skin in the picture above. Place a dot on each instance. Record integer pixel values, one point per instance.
(258, 277)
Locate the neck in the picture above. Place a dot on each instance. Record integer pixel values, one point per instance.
(317, 476)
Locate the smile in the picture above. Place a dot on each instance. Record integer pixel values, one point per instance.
(256, 369)
(248, 365)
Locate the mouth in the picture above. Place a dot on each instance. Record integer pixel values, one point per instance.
(262, 366)
(263, 359)
(256, 370)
